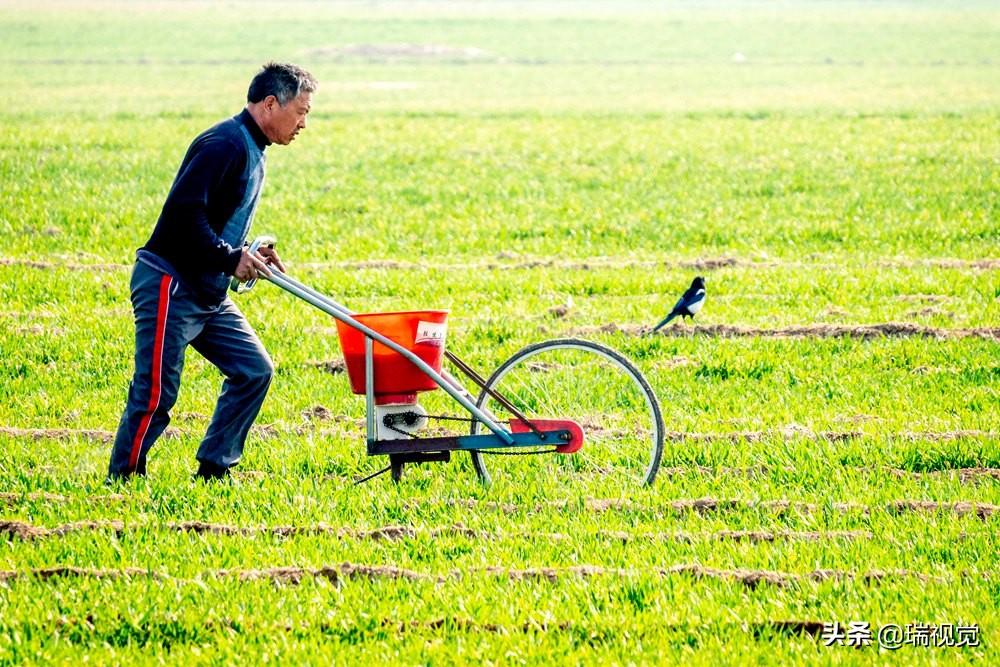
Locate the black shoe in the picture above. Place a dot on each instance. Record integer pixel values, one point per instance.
(209, 471)
(115, 478)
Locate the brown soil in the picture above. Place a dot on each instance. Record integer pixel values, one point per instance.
(333, 366)
(25, 531)
(782, 627)
(507, 261)
(293, 575)
(69, 433)
(318, 412)
(33, 264)
(402, 51)
(964, 475)
(961, 508)
(78, 573)
(558, 311)
(12, 499)
(863, 332)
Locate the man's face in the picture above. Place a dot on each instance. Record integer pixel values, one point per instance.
(285, 122)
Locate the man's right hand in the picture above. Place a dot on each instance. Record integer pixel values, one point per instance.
(251, 267)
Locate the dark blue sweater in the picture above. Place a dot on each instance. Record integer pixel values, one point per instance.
(209, 187)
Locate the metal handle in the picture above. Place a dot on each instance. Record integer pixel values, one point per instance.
(242, 287)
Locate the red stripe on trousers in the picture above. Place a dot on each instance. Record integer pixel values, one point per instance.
(154, 397)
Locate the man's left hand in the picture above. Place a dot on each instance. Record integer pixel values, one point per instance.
(271, 257)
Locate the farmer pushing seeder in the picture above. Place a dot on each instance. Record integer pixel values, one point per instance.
(392, 357)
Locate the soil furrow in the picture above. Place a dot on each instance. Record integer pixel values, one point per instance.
(527, 263)
(680, 506)
(712, 505)
(349, 571)
(271, 431)
(963, 475)
(860, 331)
(91, 624)
(25, 531)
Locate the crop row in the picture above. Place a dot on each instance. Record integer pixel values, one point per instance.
(861, 331)
(525, 263)
(318, 414)
(346, 571)
(600, 505)
(25, 531)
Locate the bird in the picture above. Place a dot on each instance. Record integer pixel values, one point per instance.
(690, 303)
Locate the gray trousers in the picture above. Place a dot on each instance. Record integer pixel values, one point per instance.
(167, 320)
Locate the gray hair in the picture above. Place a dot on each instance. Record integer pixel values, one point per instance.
(283, 80)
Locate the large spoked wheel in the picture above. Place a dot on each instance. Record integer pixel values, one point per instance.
(590, 384)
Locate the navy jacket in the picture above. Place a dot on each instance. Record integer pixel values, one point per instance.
(210, 185)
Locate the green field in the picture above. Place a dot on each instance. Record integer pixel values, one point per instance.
(833, 414)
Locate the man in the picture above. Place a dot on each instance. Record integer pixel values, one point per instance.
(181, 275)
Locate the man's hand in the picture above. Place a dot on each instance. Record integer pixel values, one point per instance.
(252, 265)
(271, 257)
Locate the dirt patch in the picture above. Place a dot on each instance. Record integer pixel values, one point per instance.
(38, 264)
(713, 505)
(318, 412)
(749, 471)
(505, 259)
(558, 311)
(986, 264)
(711, 263)
(758, 536)
(78, 573)
(333, 366)
(39, 330)
(964, 475)
(69, 433)
(944, 436)
(13, 499)
(401, 51)
(922, 298)
(961, 508)
(675, 362)
(58, 433)
(335, 573)
(788, 628)
(750, 578)
(202, 528)
(390, 533)
(863, 332)
(294, 575)
(930, 311)
(26, 531)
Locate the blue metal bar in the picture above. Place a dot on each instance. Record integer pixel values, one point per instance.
(467, 442)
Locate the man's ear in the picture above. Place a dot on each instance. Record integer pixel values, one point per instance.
(270, 102)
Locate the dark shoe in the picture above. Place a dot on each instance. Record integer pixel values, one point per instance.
(115, 478)
(209, 471)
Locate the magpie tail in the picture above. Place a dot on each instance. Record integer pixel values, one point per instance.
(667, 319)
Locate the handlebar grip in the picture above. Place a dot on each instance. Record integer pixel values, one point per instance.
(239, 287)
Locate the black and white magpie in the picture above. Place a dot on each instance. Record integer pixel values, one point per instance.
(689, 304)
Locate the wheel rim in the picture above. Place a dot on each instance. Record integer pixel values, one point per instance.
(592, 385)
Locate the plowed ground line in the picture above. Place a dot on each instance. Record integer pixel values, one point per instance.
(711, 505)
(861, 331)
(348, 571)
(451, 624)
(355, 427)
(26, 531)
(683, 506)
(596, 263)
